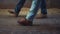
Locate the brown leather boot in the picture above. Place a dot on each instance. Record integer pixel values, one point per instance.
(13, 12)
(25, 22)
(41, 16)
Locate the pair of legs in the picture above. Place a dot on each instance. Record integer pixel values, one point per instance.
(18, 7)
(33, 11)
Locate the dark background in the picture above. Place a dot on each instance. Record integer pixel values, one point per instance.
(5, 4)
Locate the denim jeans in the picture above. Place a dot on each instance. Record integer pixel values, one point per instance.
(19, 6)
(34, 9)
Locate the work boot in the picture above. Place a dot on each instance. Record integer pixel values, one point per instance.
(41, 16)
(25, 22)
(13, 12)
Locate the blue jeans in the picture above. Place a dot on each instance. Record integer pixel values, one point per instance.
(34, 9)
(19, 6)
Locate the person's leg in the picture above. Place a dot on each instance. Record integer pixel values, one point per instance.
(18, 7)
(33, 10)
(43, 10)
(43, 7)
(30, 16)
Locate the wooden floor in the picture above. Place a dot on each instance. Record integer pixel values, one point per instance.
(50, 25)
